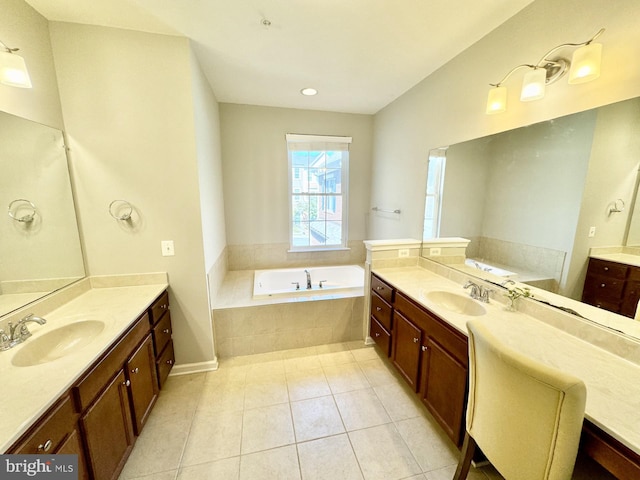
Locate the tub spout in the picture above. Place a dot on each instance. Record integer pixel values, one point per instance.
(308, 279)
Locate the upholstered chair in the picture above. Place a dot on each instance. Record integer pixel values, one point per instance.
(525, 416)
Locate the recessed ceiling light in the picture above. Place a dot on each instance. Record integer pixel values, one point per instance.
(309, 91)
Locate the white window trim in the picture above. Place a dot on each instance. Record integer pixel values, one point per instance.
(301, 138)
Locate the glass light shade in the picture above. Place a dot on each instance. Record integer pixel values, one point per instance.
(13, 70)
(497, 100)
(533, 85)
(585, 64)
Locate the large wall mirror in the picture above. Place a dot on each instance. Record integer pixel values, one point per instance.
(40, 249)
(534, 200)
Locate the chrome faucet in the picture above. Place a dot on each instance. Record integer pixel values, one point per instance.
(478, 292)
(19, 332)
(308, 279)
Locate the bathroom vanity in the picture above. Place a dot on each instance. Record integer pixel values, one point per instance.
(418, 320)
(613, 283)
(95, 401)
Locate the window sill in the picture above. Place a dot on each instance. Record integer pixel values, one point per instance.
(307, 250)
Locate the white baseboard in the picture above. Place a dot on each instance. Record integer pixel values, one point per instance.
(369, 341)
(187, 368)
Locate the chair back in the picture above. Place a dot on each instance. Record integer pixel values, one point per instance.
(524, 415)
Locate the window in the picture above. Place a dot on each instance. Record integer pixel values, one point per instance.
(433, 202)
(318, 191)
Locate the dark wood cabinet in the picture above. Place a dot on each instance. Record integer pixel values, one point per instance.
(108, 430)
(612, 286)
(405, 349)
(160, 319)
(143, 380)
(381, 314)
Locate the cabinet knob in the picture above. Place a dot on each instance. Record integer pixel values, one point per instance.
(135, 370)
(377, 334)
(424, 348)
(45, 447)
(379, 288)
(378, 309)
(606, 269)
(127, 383)
(164, 306)
(603, 285)
(166, 330)
(169, 362)
(416, 339)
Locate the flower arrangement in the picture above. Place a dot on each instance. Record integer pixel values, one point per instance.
(513, 293)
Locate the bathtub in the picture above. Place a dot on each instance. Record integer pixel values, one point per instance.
(293, 281)
(485, 267)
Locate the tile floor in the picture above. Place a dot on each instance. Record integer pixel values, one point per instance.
(334, 412)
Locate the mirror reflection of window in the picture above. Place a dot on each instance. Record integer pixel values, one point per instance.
(433, 200)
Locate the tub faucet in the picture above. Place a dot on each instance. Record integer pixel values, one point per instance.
(308, 279)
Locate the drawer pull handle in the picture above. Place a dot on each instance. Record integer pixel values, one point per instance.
(127, 383)
(166, 330)
(135, 370)
(379, 288)
(424, 348)
(416, 339)
(378, 309)
(45, 447)
(377, 334)
(169, 362)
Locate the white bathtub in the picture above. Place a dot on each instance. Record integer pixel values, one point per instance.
(485, 267)
(293, 281)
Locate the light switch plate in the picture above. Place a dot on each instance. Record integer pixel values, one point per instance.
(167, 248)
(592, 232)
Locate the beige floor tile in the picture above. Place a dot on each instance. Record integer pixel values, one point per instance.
(226, 469)
(257, 371)
(268, 390)
(222, 398)
(299, 352)
(278, 463)
(361, 409)
(336, 358)
(309, 362)
(158, 448)
(357, 344)
(227, 375)
(213, 436)
(303, 384)
(399, 401)
(171, 475)
(382, 454)
(332, 348)
(447, 474)
(316, 418)
(267, 427)
(329, 458)
(365, 353)
(378, 372)
(345, 378)
(426, 440)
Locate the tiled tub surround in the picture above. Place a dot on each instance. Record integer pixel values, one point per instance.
(245, 326)
(613, 389)
(29, 391)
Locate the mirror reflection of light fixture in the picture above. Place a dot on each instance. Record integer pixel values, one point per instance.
(13, 70)
(583, 67)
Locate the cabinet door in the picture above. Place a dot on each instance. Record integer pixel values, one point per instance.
(72, 445)
(444, 388)
(108, 430)
(406, 340)
(141, 371)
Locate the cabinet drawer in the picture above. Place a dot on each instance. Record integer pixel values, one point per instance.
(162, 334)
(165, 363)
(634, 274)
(381, 311)
(383, 289)
(603, 288)
(607, 269)
(159, 307)
(103, 371)
(50, 432)
(380, 336)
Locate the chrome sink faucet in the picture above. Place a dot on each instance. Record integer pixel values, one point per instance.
(478, 292)
(19, 332)
(308, 279)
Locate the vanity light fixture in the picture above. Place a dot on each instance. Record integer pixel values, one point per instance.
(13, 70)
(309, 92)
(583, 67)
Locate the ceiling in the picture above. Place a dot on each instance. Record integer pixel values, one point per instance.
(359, 54)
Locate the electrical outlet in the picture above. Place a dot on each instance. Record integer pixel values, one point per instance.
(403, 252)
(434, 252)
(592, 232)
(167, 248)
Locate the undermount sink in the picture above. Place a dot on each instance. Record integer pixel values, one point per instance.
(456, 303)
(57, 343)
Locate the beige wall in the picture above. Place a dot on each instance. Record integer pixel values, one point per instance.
(128, 103)
(255, 169)
(24, 28)
(448, 106)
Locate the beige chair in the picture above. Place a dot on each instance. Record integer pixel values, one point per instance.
(525, 416)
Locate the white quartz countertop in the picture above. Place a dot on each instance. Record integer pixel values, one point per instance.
(27, 392)
(625, 258)
(613, 383)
